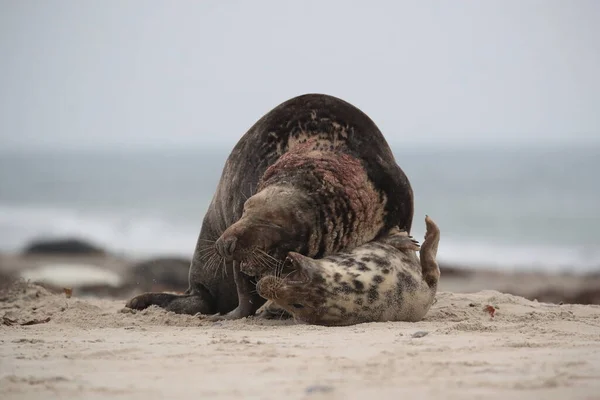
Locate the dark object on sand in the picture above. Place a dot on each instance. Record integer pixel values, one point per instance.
(62, 247)
(450, 270)
(160, 274)
(589, 295)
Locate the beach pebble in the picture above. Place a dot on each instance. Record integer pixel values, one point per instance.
(319, 389)
(420, 334)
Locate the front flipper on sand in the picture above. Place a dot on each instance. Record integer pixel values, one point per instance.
(190, 304)
(268, 311)
(272, 311)
(248, 300)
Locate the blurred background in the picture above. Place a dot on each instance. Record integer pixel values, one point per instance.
(116, 117)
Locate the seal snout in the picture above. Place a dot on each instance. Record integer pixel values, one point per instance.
(268, 287)
(226, 246)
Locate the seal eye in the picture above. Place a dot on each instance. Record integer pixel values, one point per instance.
(297, 305)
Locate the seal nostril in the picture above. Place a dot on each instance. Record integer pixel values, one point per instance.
(219, 247)
(230, 246)
(226, 246)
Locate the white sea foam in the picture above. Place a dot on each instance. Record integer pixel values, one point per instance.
(144, 235)
(138, 235)
(472, 252)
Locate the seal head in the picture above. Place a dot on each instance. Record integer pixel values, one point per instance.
(312, 201)
(302, 292)
(275, 220)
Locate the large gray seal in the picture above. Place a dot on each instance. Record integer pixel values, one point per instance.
(382, 280)
(314, 176)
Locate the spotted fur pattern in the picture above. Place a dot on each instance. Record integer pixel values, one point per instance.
(383, 280)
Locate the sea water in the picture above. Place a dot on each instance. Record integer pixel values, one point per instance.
(527, 208)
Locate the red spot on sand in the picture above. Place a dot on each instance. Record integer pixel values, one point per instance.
(490, 310)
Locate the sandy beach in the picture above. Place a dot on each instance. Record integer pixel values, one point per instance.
(93, 348)
(134, 140)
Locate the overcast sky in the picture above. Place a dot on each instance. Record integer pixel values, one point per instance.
(80, 74)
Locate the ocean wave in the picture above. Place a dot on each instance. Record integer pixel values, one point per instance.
(137, 235)
(129, 234)
(500, 256)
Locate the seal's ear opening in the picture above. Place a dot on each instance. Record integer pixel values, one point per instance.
(301, 266)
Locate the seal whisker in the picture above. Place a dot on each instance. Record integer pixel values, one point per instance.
(207, 240)
(205, 245)
(276, 266)
(269, 263)
(209, 250)
(263, 262)
(279, 270)
(254, 262)
(205, 254)
(212, 262)
(266, 254)
(288, 274)
(260, 256)
(253, 258)
(206, 248)
(215, 268)
(209, 262)
(224, 272)
(208, 259)
(217, 265)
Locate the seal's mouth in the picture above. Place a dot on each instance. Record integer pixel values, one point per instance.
(289, 263)
(298, 276)
(254, 268)
(257, 262)
(293, 258)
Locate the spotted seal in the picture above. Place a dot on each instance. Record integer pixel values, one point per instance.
(314, 176)
(383, 280)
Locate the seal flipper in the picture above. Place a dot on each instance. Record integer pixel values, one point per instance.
(401, 240)
(193, 303)
(248, 300)
(270, 310)
(428, 254)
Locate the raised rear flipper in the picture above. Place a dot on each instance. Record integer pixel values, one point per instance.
(429, 265)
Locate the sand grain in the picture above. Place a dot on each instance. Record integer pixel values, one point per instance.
(92, 349)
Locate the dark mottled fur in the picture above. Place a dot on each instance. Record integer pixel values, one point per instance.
(274, 153)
